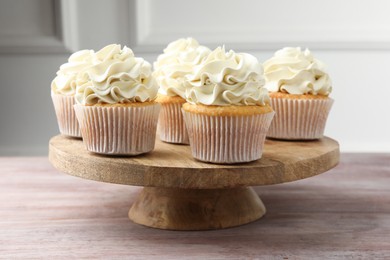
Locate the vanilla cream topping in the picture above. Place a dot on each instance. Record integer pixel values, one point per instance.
(68, 75)
(116, 77)
(178, 60)
(296, 72)
(227, 78)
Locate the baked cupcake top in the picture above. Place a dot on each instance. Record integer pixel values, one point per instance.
(116, 77)
(227, 78)
(178, 60)
(293, 71)
(67, 76)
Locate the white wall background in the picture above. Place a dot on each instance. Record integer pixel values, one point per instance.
(351, 37)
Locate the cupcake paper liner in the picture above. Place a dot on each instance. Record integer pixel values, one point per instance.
(227, 139)
(66, 117)
(118, 130)
(171, 125)
(297, 119)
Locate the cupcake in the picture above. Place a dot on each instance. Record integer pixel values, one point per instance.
(115, 107)
(299, 88)
(227, 112)
(63, 89)
(170, 69)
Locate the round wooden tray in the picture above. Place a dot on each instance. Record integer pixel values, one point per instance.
(182, 193)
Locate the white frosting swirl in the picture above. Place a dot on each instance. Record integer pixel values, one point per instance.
(227, 78)
(68, 75)
(117, 77)
(296, 72)
(178, 60)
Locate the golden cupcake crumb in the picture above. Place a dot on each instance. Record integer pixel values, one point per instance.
(128, 104)
(295, 96)
(169, 99)
(227, 110)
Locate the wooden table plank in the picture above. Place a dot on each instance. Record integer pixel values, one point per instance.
(340, 214)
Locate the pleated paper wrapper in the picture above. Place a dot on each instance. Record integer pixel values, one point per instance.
(66, 117)
(299, 119)
(227, 139)
(171, 125)
(118, 130)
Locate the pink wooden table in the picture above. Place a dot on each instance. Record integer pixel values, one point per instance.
(340, 214)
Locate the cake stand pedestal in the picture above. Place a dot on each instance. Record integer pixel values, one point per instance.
(181, 193)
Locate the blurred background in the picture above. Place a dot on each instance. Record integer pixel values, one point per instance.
(351, 37)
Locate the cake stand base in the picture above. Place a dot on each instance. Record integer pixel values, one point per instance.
(196, 209)
(182, 193)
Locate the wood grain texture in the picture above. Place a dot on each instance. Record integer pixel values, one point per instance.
(341, 214)
(196, 209)
(172, 166)
(179, 193)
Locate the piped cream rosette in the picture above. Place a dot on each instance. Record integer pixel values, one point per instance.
(227, 114)
(178, 60)
(63, 89)
(115, 107)
(299, 89)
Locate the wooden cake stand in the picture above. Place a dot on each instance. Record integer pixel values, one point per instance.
(181, 193)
